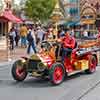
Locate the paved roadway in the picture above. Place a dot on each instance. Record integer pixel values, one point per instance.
(77, 87)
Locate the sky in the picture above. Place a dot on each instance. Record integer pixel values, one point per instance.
(17, 1)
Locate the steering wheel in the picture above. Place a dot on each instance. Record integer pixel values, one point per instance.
(46, 45)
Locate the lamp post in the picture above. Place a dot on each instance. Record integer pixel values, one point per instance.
(7, 7)
(56, 15)
(8, 4)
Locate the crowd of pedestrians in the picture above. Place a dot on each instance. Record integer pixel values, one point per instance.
(30, 36)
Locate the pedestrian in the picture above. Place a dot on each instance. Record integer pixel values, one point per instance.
(55, 33)
(17, 37)
(50, 33)
(39, 34)
(61, 33)
(85, 33)
(31, 41)
(72, 33)
(98, 37)
(12, 36)
(23, 35)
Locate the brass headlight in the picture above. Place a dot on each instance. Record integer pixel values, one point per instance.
(41, 66)
(23, 60)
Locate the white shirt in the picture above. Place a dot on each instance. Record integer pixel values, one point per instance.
(85, 33)
(40, 34)
(13, 34)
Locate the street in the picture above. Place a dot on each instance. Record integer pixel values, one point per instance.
(76, 87)
(75, 24)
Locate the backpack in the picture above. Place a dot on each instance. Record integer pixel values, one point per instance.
(29, 37)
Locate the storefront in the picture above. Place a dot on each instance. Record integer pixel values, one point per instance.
(88, 17)
(6, 20)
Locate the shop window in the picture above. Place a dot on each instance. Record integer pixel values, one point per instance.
(85, 27)
(83, 16)
(91, 26)
(73, 11)
(88, 16)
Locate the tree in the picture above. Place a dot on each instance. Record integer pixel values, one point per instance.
(39, 9)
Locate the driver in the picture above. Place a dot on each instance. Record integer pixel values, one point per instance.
(68, 44)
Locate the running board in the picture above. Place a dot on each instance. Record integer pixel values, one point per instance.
(74, 72)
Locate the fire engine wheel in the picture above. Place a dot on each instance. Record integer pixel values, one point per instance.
(57, 73)
(18, 71)
(92, 64)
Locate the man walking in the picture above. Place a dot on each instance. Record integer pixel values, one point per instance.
(31, 42)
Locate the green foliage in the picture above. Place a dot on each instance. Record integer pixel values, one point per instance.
(39, 9)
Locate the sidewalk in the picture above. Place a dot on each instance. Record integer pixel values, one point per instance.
(6, 56)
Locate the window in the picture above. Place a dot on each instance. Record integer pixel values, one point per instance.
(87, 16)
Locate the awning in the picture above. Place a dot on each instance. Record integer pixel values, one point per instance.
(7, 14)
(72, 23)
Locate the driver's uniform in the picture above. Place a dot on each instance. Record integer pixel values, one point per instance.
(68, 45)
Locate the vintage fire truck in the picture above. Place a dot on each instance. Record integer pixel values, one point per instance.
(45, 64)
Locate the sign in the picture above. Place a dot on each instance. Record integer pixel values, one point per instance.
(70, 4)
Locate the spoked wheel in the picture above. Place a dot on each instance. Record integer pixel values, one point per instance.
(57, 74)
(92, 64)
(18, 71)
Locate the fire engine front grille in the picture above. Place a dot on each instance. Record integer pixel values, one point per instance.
(32, 64)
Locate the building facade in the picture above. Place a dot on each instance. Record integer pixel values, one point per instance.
(72, 11)
(89, 9)
(7, 18)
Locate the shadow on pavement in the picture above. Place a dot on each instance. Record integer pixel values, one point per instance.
(32, 82)
(74, 76)
(42, 83)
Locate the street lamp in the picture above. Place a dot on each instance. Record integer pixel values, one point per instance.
(8, 3)
(56, 15)
(7, 7)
